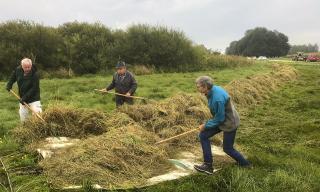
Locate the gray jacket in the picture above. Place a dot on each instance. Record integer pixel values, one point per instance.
(232, 119)
(123, 83)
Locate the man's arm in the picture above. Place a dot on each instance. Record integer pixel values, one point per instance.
(219, 116)
(134, 85)
(12, 80)
(112, 84)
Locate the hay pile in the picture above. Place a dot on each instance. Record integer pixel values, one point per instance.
(170, 116)
(123, 157)
(123, 152)
(117, 149)
(255, 89)
(62, 121)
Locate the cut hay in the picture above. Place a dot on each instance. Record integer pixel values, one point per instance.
(255, 89)
(171, 117)
(178, 114)
(118, 150)
(123, 157)
(61, 121)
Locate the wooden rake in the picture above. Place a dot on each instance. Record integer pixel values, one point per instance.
(174, 137)
(134, 97)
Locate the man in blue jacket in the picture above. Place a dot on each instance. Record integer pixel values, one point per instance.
(225, 118)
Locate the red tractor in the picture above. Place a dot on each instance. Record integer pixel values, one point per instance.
(313, 58)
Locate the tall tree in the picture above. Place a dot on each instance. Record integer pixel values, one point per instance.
(87, 46)
(260, 42)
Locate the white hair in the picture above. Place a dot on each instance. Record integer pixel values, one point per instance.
(205, 81)
(25, 61)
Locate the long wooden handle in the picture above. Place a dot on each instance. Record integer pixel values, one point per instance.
(28, 106)
(134, 97)
(174, 137)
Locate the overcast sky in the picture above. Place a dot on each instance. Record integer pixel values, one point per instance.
(214, 23)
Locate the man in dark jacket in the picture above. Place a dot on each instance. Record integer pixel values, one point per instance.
(124, 83)
(28, 84)
(225, 119)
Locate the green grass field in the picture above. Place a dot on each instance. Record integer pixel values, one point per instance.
(280, 136)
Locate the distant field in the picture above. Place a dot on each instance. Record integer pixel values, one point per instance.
(79, 91)
(289, 60)
(280, 136)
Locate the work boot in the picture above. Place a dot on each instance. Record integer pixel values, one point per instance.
(205, 168)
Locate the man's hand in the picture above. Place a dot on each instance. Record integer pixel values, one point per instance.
(201, 127)
(128, 94)
(8, 89)
(103, 90)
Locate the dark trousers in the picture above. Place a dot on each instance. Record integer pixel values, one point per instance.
(228, 141)
(120, 100)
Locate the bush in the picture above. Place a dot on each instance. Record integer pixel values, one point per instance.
(142, 70)
(60, 73)
(225, 61)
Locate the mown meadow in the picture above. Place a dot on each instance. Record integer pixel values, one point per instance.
(279, 136)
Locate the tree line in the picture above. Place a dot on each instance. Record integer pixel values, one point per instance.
(304, 48)
(92, 48)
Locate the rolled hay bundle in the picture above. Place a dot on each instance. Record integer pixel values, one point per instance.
(120, 158)
(62, 121)
(180, 110)
(254, 89)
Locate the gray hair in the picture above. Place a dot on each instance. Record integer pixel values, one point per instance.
(26, 60)
(205, 81)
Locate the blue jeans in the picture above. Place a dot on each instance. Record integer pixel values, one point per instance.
(228, 141)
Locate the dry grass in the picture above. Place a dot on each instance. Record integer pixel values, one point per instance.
(181, 110)
(117, 149)
(62, 121)
(255, 89)
(122, 157)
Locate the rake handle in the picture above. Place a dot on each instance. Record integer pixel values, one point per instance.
(28, 106)
(174, 137)
(134, 97)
